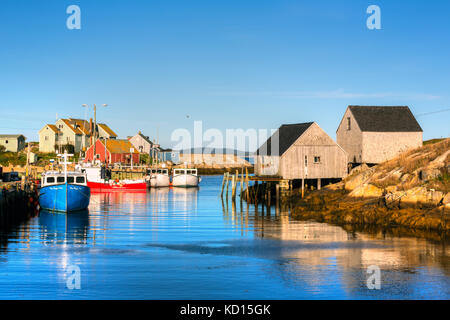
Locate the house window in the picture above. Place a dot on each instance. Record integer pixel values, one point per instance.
(46, 138)
(6, 141)
(349, 124)
(97, 156)
(306, 161)
(316, 159)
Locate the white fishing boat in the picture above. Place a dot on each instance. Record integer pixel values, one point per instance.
(158, 178)
(185, 178)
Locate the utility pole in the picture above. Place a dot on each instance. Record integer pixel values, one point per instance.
(95, 128)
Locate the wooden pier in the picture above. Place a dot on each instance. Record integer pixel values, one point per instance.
(254, 189)
(18, 201)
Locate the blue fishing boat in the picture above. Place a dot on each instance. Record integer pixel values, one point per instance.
(64, 191)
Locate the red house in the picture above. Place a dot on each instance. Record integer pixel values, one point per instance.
(117, 151)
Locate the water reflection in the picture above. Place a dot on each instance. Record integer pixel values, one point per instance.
(185, 199)
(188, 244)
(313, 252)
(57, 228)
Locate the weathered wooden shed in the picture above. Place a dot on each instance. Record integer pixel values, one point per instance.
(374, 134)
(301, 151)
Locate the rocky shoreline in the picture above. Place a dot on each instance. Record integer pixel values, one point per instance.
(336, 206)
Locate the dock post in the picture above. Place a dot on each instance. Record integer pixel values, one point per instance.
(233, 188)
(269, 193)
(247, 197)
(223, 184)
(242, 185)
(303, 188)
(227, 182)
(277, 192)
(319, 184)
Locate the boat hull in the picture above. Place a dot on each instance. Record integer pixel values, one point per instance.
(120, 186)
(159, 181)
(185, 181)
(64, 197)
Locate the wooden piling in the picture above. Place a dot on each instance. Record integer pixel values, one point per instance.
(303, 188)
(247, 185)
(233, 188)
(223, 184)
(242, 185)
(227, 182)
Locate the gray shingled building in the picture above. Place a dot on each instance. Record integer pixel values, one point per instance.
(373, 134)
(299, 152)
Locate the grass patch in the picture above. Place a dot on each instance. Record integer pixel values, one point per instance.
(14, 158)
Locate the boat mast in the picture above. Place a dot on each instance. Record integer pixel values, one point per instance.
(65, 156)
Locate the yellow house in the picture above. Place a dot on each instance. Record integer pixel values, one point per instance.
(48, 136)
(76, 132)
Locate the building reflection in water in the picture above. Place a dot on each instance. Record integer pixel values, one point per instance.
(311, 250)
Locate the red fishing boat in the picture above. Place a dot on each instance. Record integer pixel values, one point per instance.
(99, 182)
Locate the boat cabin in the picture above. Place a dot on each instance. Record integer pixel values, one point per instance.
(158, 171)
(192, 172)
(57, 178)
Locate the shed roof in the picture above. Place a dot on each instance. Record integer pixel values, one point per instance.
(385, 119)
(107, 129)
(71, 126)
(53, 127)
(287, 134)
(82, 125)
(12, 136)
(119, 146)
(145, 138)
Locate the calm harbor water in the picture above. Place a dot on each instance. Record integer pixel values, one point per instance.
(184, 244)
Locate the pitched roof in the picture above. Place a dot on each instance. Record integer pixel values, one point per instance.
(11, 135)
(71, 126)
(107, 129)
(53, 127)
(119, 146)
(82, 125)
(287, 134)
(385, 119)
(146, 139)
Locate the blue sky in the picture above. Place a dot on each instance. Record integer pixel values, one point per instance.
(232, 64)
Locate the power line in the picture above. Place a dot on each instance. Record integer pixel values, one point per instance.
(432, 112)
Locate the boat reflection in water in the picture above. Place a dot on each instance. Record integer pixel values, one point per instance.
(61, 228)
(185, 199)
(107, 201)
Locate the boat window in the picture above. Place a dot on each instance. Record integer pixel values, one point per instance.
(51, 180)
(80, 180)
(60, 179)
(70, 179)
(159, 171)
